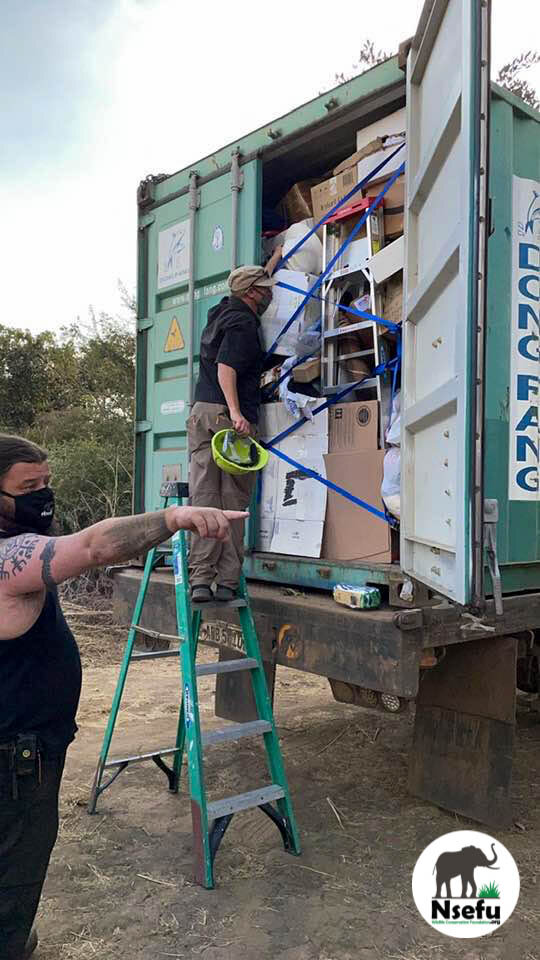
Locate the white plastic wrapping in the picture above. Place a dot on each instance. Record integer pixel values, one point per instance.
(391, 485)
(393, 434)
(308, 258)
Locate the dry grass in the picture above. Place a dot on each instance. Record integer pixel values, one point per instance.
(81, 946)
(419, 952)
(351, 887)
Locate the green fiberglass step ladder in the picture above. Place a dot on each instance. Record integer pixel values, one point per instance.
(210, 820)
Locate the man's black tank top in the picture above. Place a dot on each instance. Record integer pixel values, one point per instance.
(40, 681)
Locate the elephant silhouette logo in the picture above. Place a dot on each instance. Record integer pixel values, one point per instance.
(462, 863)
(456, 889)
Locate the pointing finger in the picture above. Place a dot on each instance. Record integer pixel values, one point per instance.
(200, 522)
(224, 527)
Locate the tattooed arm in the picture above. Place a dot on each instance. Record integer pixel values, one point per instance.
(29, 562)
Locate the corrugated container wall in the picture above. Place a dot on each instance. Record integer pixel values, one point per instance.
(515, 152)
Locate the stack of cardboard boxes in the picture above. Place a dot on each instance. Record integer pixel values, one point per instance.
(298, 515)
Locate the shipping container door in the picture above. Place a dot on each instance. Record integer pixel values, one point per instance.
(163, 393)
(447, 82)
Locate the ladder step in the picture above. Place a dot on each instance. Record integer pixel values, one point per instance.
(365, 385)
(350, 356)
(220, 604)
(155, 634)
(244, 801)
(155, 654)
(236, 731)
(139, 757)
(350, 328)
(225, 666)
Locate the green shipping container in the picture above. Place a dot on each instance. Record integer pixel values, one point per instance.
(470, 429)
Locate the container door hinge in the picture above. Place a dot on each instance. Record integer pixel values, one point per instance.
(145, 323)
(491, 519)
(194, 192)
(143, 426)
(146, 221)
(237, 175)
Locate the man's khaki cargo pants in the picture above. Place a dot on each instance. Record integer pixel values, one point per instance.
(213, 560)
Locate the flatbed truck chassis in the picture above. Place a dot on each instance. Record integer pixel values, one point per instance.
(458, 669)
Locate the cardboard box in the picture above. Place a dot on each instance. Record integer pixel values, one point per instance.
(367, 164)
(325, 195)
(308, 371)
(393, 225)
(394, 198)
(373, 146)
(284, 303)
(297, 201)
(394, 123)
(292, 505)
(353, 426)
(394, 206)
(393, 299)
(350, 532)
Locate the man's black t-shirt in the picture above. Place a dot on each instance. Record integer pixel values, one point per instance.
(232, 336)
(40, 681)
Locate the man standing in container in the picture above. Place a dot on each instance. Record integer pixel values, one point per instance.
(227, 396)
(40, 668)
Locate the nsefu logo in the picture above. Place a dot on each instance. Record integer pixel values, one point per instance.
(454, 891)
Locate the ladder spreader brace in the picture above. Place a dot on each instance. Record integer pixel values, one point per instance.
(210, 820)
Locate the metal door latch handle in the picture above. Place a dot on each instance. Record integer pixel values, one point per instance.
(491, 519)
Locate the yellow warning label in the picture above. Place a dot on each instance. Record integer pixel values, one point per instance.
(175, 340)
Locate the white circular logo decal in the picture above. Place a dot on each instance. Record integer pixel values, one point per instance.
(465, 884)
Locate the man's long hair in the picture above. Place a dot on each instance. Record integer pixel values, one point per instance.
(15, 449)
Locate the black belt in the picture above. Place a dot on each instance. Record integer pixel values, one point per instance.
(24, 758)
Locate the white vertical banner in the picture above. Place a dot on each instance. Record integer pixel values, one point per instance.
(173, 255)
(524, 341)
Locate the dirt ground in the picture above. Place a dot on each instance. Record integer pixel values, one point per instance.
(120, 883)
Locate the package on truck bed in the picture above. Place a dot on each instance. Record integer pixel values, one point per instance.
(292, 506)
(352, 533)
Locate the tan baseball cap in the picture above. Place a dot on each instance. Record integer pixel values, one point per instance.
(241, 279)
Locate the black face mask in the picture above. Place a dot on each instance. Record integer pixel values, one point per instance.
(35, 510)
(263, 304)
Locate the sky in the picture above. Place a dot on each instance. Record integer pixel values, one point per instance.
(96, 94)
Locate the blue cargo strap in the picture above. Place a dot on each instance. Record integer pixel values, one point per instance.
(319, 281)
(332, 486)
(363, 314)
(369, 176)
(392, 365)
(270, 445)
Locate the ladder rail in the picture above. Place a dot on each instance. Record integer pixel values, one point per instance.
(265, 712)
(332, 290)
(189, 727)
(97, 787)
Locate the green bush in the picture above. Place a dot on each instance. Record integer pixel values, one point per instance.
(73, 394)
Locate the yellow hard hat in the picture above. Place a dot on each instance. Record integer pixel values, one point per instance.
(235, 454)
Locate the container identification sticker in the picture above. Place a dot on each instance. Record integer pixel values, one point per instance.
(173, 255)
(172, 406)
(524, 340)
